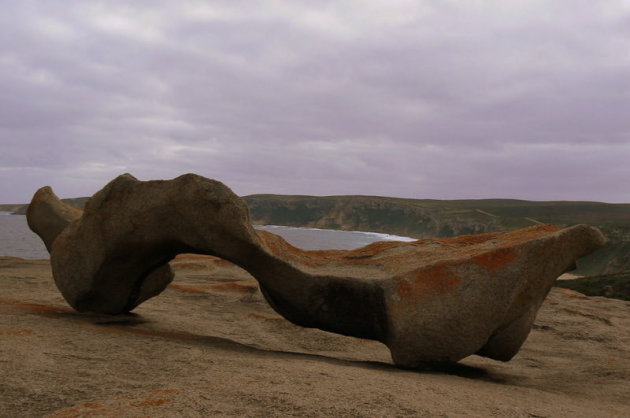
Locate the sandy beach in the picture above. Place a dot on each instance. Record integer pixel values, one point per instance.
(211, 346)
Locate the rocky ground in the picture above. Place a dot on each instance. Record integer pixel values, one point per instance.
(211, 346)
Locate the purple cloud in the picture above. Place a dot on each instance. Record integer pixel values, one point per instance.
(417, 99)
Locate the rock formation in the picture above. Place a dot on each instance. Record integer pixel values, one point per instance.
(47, 215)
(430, 301)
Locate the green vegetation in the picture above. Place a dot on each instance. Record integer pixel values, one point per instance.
(610, 285)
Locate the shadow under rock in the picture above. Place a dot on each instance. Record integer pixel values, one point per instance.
(457, 369)
(471, 372)
(129, 319)
(128, 324)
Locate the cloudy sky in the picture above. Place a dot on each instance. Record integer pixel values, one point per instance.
(427, 99)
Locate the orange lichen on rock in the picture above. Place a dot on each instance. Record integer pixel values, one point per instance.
(495, 260)
(465, 240)
(385, 254)
(435, 280)
(85, 409)
(526, 234)
(116, 408)
(16, 331)
(93, 405)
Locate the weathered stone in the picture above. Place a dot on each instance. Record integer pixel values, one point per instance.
(47, 215)
(431, 301)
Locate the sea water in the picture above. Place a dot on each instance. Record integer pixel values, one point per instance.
(327, 239)
(17, 240)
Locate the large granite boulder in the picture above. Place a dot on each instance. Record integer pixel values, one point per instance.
(48, 216)
(430, 301)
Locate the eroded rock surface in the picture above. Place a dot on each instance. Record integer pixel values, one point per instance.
(430, 301)
(47, 215)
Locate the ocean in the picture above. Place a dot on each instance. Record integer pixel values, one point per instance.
(327, 239)
(17, 240)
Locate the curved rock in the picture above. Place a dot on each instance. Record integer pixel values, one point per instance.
(47, 215)
(430, 301)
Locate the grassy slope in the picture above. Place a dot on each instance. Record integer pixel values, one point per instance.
(512, 213)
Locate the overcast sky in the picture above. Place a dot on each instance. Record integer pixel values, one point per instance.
(424, 99)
